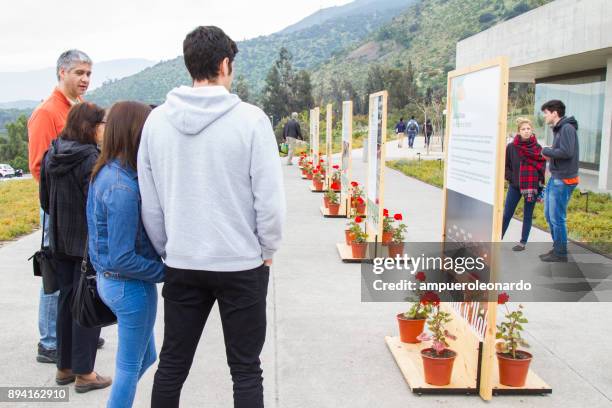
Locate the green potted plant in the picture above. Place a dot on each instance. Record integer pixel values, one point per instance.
(411, 323)
(335, 179)
(359, 243)
(438, 359)
(317, 179)
(387, 227)
(357, 201)
(396, 246)
(513, 363)
(334, 202)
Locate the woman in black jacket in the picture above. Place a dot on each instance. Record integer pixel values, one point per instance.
(525, 169)
(64, 182)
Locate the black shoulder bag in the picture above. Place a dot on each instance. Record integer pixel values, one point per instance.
(44, 265)
(88, 309)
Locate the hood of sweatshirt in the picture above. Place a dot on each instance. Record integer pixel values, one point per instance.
(191, 110)
(565, 120)
(64, 155)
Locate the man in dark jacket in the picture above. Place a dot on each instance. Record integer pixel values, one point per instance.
(292, 133)
(563, 166)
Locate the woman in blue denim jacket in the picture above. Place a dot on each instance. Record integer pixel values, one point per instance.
(127, 266)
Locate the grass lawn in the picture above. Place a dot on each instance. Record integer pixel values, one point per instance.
(594, 227)
(19, 208)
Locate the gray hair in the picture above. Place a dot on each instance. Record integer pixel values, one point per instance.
(294, 115)
(69, 59)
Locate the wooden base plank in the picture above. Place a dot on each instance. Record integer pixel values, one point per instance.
(316, 191)
(408, 358)
(346, 254)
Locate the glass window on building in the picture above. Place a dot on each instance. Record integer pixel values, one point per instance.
(583, 96)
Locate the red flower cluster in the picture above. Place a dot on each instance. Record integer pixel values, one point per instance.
(335, 186)
(430, 298)
(398, 217)
(360, 200)
(385, 213)
(336, 166)
(502, 298)
(354, 183)
(358, 220)
(420, 276)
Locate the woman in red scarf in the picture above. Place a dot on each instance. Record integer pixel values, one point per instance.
(525, 168)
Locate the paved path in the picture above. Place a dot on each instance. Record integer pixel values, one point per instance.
(324, 348)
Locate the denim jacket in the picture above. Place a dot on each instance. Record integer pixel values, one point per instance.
(119, 247)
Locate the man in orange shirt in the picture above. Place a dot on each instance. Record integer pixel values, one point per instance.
(45, 124)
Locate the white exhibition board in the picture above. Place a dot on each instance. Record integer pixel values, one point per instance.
(473, 139)
(347, 140)
(377, 135)
(314, 135)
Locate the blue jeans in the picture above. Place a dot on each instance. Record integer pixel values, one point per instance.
(411, 137)
(47, 305)
(512, 199)
(134, 302)
(556, 199)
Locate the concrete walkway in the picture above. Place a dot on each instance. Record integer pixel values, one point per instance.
(324, 348)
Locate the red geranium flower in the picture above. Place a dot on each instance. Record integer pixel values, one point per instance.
(335, 186)
(358, 219)
(502, 298)
(360, 200)
(398, 217)
(336, 166)
(354, 183)
(315, 171)
(420, 276)
(430, 298)
(321, 161)
(385, 213)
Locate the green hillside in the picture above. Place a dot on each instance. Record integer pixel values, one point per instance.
(426, 35)
(344, 27)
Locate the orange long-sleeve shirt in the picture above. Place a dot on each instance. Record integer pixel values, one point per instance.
(45, 124)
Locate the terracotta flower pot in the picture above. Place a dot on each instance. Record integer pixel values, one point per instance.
(334, 209)
(395, 248)
(386, 237)
(318, 185)
(348, 236)
(410, 328)
(309, 176)
(361, 208)
(438, 370)
(513, 372)
(326, 201)
(359, 249)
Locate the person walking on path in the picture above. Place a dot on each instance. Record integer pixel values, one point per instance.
(412, 129)
(525, 168)
(126, 263)
(64, 182)
(215, 216)
(46, 122)
(427, 132)
(562, 158)
(292, 133)
(400, 128)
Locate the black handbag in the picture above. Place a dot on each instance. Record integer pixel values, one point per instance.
(44, 264)
(88, 309)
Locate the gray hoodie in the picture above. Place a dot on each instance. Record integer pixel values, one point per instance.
(211, 181)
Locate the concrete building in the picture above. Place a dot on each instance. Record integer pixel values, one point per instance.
(565, 48)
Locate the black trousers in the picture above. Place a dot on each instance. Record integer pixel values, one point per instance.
(188, 298)
(76, 346)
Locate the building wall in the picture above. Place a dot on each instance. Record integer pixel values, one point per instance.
(558, 29)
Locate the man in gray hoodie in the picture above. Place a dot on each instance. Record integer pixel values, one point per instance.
(563, 157)
(213, 206)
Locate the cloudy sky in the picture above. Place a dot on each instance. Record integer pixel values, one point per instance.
(35, 32)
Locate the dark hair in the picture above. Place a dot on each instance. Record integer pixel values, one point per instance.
(204, 49)
(412, 117)
(554, 105)
(122, 134)
(401, 119)
(82, 122)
